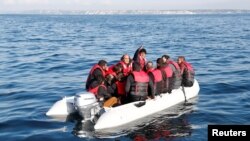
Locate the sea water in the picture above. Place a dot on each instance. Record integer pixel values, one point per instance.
(46, 57)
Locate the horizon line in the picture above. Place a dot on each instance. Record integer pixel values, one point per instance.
(113, 12)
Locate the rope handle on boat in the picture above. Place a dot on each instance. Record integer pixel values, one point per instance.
(139, 104)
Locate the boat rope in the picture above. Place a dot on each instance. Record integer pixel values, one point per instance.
(183, 89)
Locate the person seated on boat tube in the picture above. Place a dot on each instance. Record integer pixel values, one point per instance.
(99, 89)
(110, 84)
(167, 76)
(138, 85)
(177, 78)
(120, 88)
(156, 77)
(126, 64)
(116, 87)
(140, 57)
(149, 66)
(187, 72)
(97, 70)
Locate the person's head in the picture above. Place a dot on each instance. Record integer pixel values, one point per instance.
(100, 79)
(165, 58)
(136, 66)
(149, 65)
(180, 59)
(117, 68)
(159, 62)
(125, 58)
(109, 78)
(143, 53)
(103, 64)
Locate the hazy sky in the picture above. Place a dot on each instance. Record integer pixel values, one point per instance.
(23, 5)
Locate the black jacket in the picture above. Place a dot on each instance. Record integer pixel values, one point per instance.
(130, 82)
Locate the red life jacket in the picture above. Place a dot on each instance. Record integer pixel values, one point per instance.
(96, 66)
(175, 65)
(158, 83)
(90, 76)
(177, 78)
(110, 71)
(126, 68)
(157, 75)
(188, 66)
(167, 74)
(168, 71)
(140, 76)
(187, 74)
(150, 70)
(120, 87)
(140, 87)
(95, 90)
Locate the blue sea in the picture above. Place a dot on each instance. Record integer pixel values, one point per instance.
(46, 57)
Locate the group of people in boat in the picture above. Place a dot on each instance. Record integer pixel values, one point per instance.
(137, 79)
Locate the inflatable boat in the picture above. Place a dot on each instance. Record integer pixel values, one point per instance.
(109, 117)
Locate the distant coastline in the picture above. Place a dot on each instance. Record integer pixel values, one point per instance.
(128, 12)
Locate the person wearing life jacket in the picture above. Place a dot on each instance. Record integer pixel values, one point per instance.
(187, 72)
(138, 85)
(110, 84)
(116, 87)
(149, 67)
(97, 70)
(99, 89)
(177, 78)
(120, 88)
(114, 70)
(140, 57)
(167, 76)
(126, 64)
(156, 77)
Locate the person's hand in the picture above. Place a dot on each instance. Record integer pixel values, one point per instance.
(100, 99)
(106, 68)
(148, 97)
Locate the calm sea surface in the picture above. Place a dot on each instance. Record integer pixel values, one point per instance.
(46, 57)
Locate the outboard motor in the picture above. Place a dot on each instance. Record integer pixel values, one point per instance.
(87, 106)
